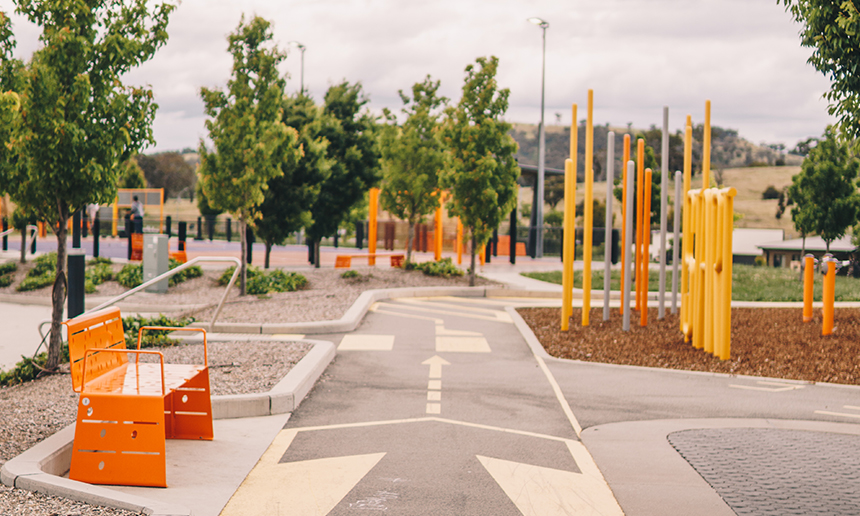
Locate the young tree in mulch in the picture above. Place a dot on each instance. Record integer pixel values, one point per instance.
(413, 155)
(131, 175)
(825, 192)
(351, 133)
(483, 178)
(287, 202)
(78, 120)
(251, 143)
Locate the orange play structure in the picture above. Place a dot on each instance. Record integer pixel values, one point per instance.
(126, 408)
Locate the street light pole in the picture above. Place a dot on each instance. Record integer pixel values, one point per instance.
(541, 145)
(302, 76)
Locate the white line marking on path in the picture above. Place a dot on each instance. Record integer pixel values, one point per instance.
(841, 414)
(769, 386)
(364, 342)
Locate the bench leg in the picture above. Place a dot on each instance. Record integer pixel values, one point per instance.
(188, 410)
(119, 440)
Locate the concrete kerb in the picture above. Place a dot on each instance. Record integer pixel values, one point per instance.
(40, 468)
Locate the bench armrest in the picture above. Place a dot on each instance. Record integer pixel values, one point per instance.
(138, 352)
(170, 328)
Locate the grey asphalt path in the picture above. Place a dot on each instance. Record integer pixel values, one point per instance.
(489, 438)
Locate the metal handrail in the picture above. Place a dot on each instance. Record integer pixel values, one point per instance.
(166, 275)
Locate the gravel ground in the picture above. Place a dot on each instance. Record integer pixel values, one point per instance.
(770, 342)
(36, 410)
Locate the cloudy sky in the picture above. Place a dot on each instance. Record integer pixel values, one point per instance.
(637, 55)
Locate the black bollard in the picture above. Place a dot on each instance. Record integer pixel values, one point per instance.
(199, 228)
(229, 230)
(84, 224)
(249, 238)
(5, 239)
(488, 251)
(336, 235)
(210, 227)
(183, 234)
(495, 242)
(168, 226)
(359, 234)
(76, 230)
(96, 229)
(513, 237)
(76, 279)
(311, 252)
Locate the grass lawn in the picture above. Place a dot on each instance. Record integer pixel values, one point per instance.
(748, 283)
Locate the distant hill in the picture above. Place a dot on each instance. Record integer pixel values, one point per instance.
(728, 149)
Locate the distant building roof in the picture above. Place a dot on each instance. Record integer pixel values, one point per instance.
(814, 243)
(745, 241)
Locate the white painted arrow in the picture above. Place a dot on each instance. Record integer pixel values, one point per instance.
(435, 363)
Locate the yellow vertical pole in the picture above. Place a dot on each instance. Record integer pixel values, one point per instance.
(161, 224)
(459, 242)
(437, 232)
(688, 263)
(624, 249)
(828, 296)
(640, 236)
(371, 230)
(588, 218)
(710, 257)
(724, 346)
(698, 304)
(115, 217)
(646, 244)
(687, 244)
(706, 148)
(569, 238)
(808, 286)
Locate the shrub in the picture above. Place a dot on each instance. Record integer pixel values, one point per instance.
(36, 282)
(89, 286)
(29, 368)
(8, 267)
(130, 276)
(133, 323)
(258, 285)
(284, 281)
(43, 264)
(225, 277)
(191, 272)
(5, 280)
(99, 273)
(760, 261)
(770, 193)
(444, 268)
(351, 274)
(99, 260)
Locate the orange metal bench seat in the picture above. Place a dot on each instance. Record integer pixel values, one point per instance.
(127, 408)
(344, 261)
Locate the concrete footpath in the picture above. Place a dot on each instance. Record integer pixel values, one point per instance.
(442, 401)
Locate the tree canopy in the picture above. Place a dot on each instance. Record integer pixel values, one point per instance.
(832, 29)
(246, 129)
(167, 170)
(413, 155)
(78, 120)
(484, 171)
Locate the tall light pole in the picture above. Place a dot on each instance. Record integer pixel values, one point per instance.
(302, 49)
(541, 144)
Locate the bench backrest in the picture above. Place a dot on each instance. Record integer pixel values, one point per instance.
(100, 330)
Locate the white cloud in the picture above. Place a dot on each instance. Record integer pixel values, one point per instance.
(638, 56)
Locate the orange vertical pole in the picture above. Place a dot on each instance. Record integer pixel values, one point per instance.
(640, 236)
(437, 233)
(687, 227)
(828, 296)
(808, 285)
(371, 230)
(459, 242)
(624, 210)
(568, 250)
(646, 244)
(706, 148)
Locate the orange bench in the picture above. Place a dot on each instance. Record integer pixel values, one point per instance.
(344, 261)
(127, 408)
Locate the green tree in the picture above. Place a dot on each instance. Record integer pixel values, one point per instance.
(203, 206)
(825, 192)
(288, 199)
(483, 178)
(351, 134)
(412, 157)
(246, 130)
(78, 120)
(167, 170)
(131, 176)
(831, 29)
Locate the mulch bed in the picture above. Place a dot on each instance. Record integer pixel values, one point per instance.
(771, 342)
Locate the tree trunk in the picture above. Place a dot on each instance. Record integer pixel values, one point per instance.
(58, 293)
(24, 246)
(410, 237)
(474, 255)
(317, 253)
(243, 254)
(268, 253)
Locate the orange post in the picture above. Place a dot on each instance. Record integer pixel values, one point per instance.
(624, 210)
(640, 233)
(371, 230)
(437, 234)
(828, 297)
(646, 244)
(808, 285)
(706, 148)
(459, 242)
(687, 239)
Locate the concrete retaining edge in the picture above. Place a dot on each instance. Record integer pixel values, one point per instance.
(40, 468)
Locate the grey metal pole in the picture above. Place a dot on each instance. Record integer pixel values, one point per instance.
(541, 152)
(664, 187)
(302, 76)
(628, 242)
(607, 233)
(676, 241)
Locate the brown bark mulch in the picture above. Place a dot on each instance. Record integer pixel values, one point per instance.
(771, 342)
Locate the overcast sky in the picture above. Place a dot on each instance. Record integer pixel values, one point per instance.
(637, 55)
